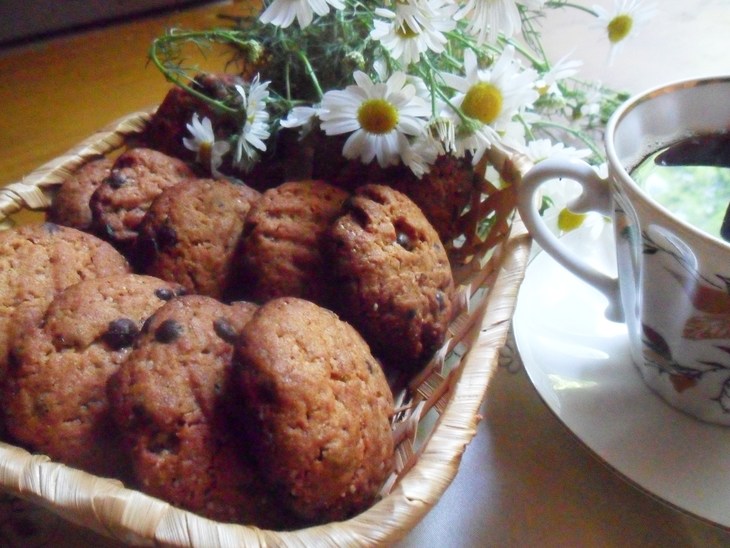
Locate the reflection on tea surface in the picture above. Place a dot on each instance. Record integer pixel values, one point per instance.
(691, 178)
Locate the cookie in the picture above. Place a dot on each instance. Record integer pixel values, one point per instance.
(190, 234)
(281, 250)
(70, 206)
(54, 395)
(393, 276)
(441, 194)
(119, 204)
(39, 260)
(317, 409)
(168, 399)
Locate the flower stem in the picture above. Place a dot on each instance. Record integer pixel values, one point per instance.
(165, 47)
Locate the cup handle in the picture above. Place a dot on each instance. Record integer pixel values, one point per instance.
(595, 196)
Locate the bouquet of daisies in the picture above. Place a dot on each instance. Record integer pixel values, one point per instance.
(400, 83)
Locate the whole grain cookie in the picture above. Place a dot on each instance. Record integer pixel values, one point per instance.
(54, 395)
(393, 276)
(137, 177)
(39, 260)
(317, 408)
(190, 234)
(169, 400)
(281, 251)
(70, 206)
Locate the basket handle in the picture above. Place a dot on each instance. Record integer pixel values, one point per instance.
(21, 195)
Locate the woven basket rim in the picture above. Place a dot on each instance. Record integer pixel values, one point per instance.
(108, 507)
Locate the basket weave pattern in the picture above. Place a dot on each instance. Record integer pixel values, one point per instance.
(437, 414)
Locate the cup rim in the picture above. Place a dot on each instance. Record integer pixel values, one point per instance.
(616, 165)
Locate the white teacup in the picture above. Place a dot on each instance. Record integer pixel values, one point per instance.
(673, 284)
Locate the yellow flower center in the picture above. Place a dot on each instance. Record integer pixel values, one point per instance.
(377, 116)
(205, 153)
(619, 27)
(569, 220)
(483, 101)
(405, 31)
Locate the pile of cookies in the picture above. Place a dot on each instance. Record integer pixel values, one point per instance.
(232, 350)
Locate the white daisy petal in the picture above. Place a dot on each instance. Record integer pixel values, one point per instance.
(282, 13)
(379, 116)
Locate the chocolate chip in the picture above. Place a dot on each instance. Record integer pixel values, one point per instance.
(116, 179)
(168, 331)
(405, 234)
(164, 293)
(225, 330)
(404, 241)
(120, 333)
(166, 236)
(441, 300)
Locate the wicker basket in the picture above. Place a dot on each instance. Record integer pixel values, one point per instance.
(436, 419)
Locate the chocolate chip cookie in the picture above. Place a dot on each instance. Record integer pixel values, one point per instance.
(169, 400)
(137, 177)
(39, 260)
(70, 206)
(317, 408)
(54, 395)
(281, 251)
(190, 234)
(393, 276)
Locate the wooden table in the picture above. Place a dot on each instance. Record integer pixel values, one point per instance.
(56, 92)
(524, 481)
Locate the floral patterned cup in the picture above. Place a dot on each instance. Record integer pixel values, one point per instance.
(673, 284)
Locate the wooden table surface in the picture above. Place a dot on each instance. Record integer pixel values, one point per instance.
(56, 92)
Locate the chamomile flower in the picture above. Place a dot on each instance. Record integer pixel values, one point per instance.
(560, 214)
(256, 123)
(380, 116)
(564, 68)
(301, 117)
(416, 26)
(491, 97)
(542, 149)
(475, 140)
(441, 131)
(282, 13)
(488, 18)
(624, 21)
(590, 107)
(208, 151)
(421, 155)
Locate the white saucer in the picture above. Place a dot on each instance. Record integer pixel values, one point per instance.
(580, 365)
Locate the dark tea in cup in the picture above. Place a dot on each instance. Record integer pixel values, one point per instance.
(691, 179)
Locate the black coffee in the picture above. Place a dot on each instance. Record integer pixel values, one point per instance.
(691, 178)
